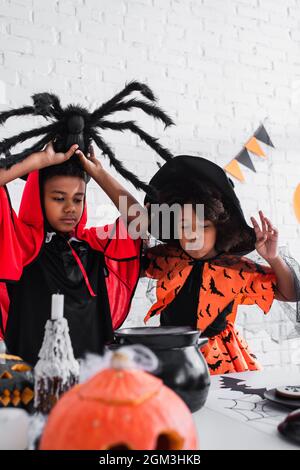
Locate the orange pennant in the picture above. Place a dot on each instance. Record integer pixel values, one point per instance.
(253, 146)
(297, 202)
(234, 169)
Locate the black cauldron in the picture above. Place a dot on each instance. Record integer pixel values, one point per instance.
(182, 366)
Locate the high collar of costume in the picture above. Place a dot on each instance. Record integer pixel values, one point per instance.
(177, 254)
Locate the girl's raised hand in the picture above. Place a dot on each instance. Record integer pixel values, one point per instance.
(266, 238)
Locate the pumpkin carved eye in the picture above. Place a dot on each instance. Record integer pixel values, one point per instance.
(169, 440)
(120, 446)
(21, 367)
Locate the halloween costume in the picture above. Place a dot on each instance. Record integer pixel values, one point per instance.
(96, 269)
(97, 275)
(205, 294)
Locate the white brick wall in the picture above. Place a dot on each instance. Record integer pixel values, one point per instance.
(219, 67)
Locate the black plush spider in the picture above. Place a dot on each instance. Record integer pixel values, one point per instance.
(75, 125)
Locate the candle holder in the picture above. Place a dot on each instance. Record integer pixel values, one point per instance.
(56, 370)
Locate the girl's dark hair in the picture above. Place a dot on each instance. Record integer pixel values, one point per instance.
(71, 167)
(216, 209)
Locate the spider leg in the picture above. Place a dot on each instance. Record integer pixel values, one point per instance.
(119, 167)
(147, 138)
(11, 160)
(45, 104)
(149, 108)
(132, 86)
(25, 111)
(7, 144)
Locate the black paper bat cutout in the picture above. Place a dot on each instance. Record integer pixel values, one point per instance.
(236, 385)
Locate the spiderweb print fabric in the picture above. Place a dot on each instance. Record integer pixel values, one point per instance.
(243, 400)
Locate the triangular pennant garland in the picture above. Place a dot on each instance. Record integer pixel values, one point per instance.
(243, 157)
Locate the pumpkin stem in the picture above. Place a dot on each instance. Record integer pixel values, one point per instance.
(134, 356)
(121, 360)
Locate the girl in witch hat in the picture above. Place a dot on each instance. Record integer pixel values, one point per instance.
(201, 269)
(47, 248)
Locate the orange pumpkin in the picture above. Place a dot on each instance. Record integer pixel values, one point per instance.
(120, 409)
(16, 382)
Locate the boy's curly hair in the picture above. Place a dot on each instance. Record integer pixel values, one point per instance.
(70, 167)
(217, 209)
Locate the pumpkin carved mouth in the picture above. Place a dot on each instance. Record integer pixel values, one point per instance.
(16, 382)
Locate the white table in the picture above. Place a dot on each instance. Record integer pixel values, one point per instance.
(239, 419)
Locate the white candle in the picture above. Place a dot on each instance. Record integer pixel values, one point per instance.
(14, 429)
(57, 306)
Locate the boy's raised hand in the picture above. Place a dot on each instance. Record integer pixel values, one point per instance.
(36, 161)
(266, 238)
(89, 163)
(48, 156)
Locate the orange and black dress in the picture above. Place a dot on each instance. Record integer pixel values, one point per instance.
(205, 294)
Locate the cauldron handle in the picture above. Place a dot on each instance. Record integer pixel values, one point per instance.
(202, 341)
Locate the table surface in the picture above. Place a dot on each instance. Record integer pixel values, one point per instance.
(237, 416)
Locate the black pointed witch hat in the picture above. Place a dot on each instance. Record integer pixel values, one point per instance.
(198, 167)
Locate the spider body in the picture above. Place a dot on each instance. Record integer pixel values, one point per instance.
(74, 130)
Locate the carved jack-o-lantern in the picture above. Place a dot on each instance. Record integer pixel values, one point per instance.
(120, 409)
(16, 382)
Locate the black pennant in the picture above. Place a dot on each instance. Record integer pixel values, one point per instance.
(262, 135)
(243, 157)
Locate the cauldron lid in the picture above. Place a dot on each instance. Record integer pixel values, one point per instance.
(160, 337)
(156, 330)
